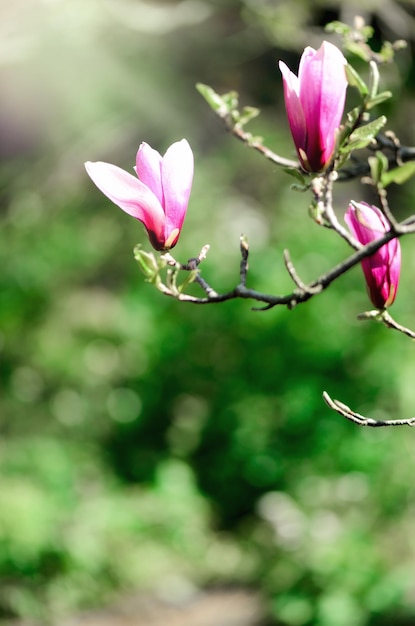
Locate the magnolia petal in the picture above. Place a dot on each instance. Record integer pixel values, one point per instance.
(333, 95)
(310, 78)
(377, 280)
(322, 94)
(148, 168)
(294, 109)
(130, 194)
(307, 56)
(394, 269)
(382, 268)
(177, 178)
(366, 221)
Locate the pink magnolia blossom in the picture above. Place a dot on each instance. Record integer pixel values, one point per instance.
(381, 269)
(314, 102)
(158, 196)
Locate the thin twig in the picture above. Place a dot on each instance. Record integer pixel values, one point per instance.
(362, 420)
(322, 188)
(209, 291)
(295, 277)
(385, 318)
(244, 248)
(390, 323)
(383, 197)
(248, 140)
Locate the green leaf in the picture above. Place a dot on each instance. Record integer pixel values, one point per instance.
(387, 52)
(171, 281)
(254, 140)
(147, 262)
(292, 171)
(358, 50)
(399, 175)
(247, 114)
(316, 211)
(230, 100)
(338, 27)
(190, 278)
(355, 80)
(353, 115)
(214, 100)
(381, 97)
(362, 136)
(378, 166)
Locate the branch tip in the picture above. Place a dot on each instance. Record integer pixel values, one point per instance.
(361, 420)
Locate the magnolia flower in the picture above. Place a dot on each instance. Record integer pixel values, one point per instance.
(314, 102)
(382, 268)
(158, 197)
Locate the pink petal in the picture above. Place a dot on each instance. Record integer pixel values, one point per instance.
(293, 107)
(130, 194)
(307, 57)
(333, 93)
(148, 168)
(382, 268)
(177, 177)
(322, 94)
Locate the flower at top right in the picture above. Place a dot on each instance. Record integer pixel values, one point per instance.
(314, 101)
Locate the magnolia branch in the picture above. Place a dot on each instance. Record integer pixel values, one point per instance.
(322, 188)
(362, 420)
(303, 291)
(385, 318)
(256, 144)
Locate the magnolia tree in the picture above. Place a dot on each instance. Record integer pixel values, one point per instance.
(326, 140)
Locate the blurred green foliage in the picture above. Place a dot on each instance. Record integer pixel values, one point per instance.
(147, 444)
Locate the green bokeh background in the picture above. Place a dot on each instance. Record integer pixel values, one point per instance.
(156, 446)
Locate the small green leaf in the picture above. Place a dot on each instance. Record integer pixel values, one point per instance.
(358, 50)
(363, 135)
(399, 175)
(221, 104)
(147, 262)
(381, 97)
(315, 211)
(190, 278)
(292, 171)
(355, 80)
(230, 100)
(378, 166)
(300, 188)
(254, 140)
(171, 283)
(353, 115)
(337, 27)
(247, 114)
(214, 100)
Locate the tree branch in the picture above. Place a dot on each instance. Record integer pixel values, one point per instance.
(256, 144)
(385, 318)
(303, 292)
(362, 420)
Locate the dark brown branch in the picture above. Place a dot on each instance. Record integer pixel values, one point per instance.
(303, 292)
